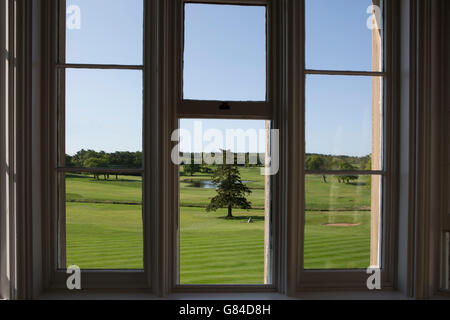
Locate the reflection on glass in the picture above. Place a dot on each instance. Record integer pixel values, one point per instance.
(104, 117)
(225, 52)
(344, 35)
(342, 222)
(104, 221)
(104, 31)
(343, 121)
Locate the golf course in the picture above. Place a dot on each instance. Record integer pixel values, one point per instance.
(104, 226)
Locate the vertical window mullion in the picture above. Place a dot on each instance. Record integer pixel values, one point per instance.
(61, 134)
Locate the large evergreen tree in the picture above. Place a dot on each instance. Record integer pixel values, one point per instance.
(231, 191)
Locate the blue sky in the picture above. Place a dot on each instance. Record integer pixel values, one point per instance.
(224, 60)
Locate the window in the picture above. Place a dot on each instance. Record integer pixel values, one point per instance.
(224, 52)
(224, 241)
(100, 135)
(130, 202)
(338, 37)
(104, 32)
(345, 140)
(225, 60)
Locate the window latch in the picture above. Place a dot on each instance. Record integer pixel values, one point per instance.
(225, 106)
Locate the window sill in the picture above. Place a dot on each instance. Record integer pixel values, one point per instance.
(145, 295)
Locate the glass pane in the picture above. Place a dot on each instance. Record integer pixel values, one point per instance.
(344, 35)
(225, 52)
(342, 229)
(103, 118)
(343, 123)
(104, 221)
(218, 245)
(104, 31)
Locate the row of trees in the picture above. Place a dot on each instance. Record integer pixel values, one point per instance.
(191, 167)
(318, 162)
(91, 159)
(130, 160)
(331, 162)
(94, 159)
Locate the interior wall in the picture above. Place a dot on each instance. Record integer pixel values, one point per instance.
(20, 154)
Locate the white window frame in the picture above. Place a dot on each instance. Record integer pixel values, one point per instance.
(256, 110)
(162, 67)
(203, 109)
(357, 279)
(131, 279)
(32, 152)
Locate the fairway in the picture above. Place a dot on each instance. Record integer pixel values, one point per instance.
(104, 227)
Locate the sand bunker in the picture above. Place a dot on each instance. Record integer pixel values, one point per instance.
(342, 224)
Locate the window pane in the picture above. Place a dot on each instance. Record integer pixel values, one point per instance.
(215, 248)
(104, 221)
(225, 52)
(342, 222)
(343, 123)
(104, 31)
(104, 116)
(338, 36)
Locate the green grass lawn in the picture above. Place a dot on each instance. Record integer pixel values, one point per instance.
(217, 250)
(103, 236)
(104, 228)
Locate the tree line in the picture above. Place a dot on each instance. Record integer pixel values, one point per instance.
(133, 160)
(191, 166)
(95, 159)
(99, 159)
(318, 162)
